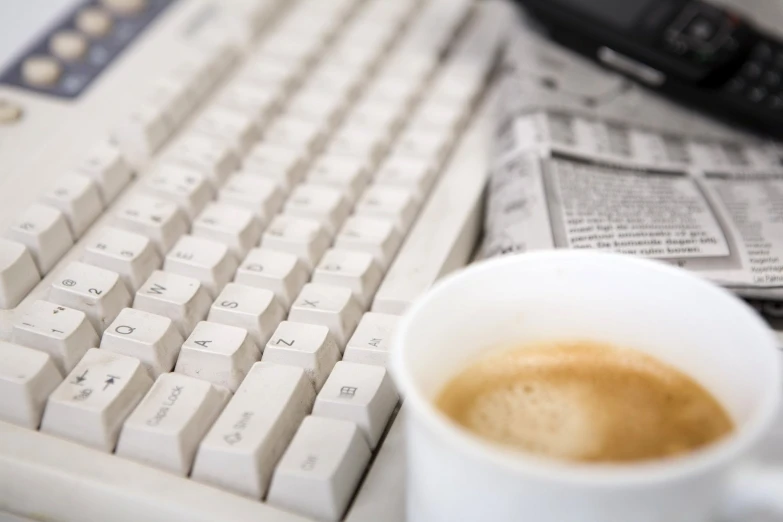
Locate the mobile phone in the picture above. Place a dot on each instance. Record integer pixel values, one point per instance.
(699, 54)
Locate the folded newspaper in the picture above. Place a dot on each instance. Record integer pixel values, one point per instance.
(585, 159)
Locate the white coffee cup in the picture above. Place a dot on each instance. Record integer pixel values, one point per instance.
(454, 476)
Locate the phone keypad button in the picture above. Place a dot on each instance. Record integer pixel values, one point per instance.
(757, 94)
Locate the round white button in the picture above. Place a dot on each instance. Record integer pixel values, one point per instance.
(41, 71)
(93, 21)
(9, 112)
(125, 6)
(68, 45)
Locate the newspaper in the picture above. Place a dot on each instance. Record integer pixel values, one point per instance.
(585, 159)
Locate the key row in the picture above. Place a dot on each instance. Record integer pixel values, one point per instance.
(236, 441)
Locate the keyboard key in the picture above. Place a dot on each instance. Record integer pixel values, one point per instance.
(430, 146)
(348, 175)
(165, 429)
(91, 404)
(160, 220)
(184, 186)
(236, 227)
(217, 353)
(321, 468)
(78, 198)
(395, 203)
(357, 271)
(45, 233)
(208, 261)
(281, 272)
(64, 333)
(254, 309)
(280, 163)
(131, 255)
(99, 293)
(208, 155)
(106, 166)
(237, 130)
(27, 378)
(331, 306)
(356, 144)
(359, 393)
(18, 274)
(295, 134)
(414, 174)
(240, 451)
(262, 196)
(371, 342)
(142, 133)
(182, 299)
(152, 339)
(317, 105)
(378, 237)
(305, 238)
(324, 204)
(308, 346)
(244, 96)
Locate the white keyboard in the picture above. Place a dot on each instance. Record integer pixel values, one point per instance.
(205, 250)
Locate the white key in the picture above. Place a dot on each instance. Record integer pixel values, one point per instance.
(317, 105)
(239, 131)
(324, 204)
(283, 164)
(18, 274)
(160, 220)
(281, 272)
(414, 174)
(106, 166)
(262, 196)
(44, 231)
(218, 353)
(347, 174)
(305, 238)
(131, 255)
(91, 404)
(236, 227)
(97, 292)
(391, 90)
(371, 342)
(270, 73)
(383, 117)
(308, 346)
(152, 339)
(78, 198)
(378, 237)
(355, 144)
(174, 97)
(438, 118)
(206, 154)
(64, 333)
(431, 146)
(208, 261)
(321, 468)
(27, 378)
(254, 309)
(142, 133)
(244, 96)
(395, 203)
(184, 186)
(357, 271)
(359, 393)
(295, 134)
(240, 451)
(182, 299)
(331, 306)
(165, 429)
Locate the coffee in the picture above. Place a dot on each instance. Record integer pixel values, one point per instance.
(584, 402)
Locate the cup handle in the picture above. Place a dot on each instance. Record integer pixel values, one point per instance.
(754, 488)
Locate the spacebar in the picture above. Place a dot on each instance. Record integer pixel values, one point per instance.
(447, 229)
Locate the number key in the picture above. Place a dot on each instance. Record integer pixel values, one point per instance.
(130, 255)
(99, 293)
(44, 231)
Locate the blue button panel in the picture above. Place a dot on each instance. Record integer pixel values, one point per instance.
(77, 75)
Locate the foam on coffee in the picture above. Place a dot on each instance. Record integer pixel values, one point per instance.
(584, 401)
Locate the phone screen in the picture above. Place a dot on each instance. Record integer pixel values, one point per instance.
(622, 14)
